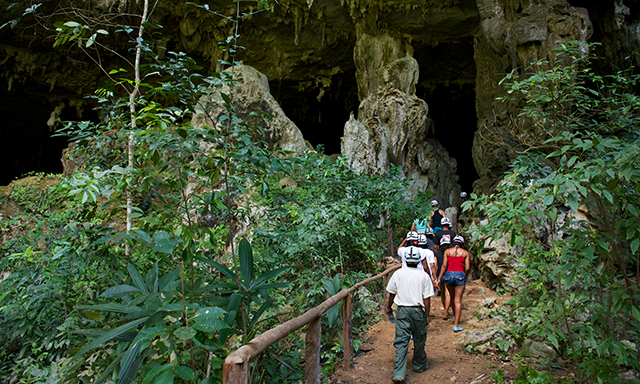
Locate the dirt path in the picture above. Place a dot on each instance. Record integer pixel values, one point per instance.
(448, 362)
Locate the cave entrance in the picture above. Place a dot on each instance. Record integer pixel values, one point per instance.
(453, 123)
(320, 113)
(26, 144)
(447, 84)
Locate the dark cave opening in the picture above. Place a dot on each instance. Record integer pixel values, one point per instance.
(320, 113)
(452, 111)
(26, 144)
(447, 84)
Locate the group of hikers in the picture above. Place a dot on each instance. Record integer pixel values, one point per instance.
(433, 258)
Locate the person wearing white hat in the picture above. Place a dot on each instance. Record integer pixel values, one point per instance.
(409, 289)
(436, 217)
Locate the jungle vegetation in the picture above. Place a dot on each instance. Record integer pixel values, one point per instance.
(136, 268)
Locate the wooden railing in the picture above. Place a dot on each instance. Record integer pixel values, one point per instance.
(236, 365)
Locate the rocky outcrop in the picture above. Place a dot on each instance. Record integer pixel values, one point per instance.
(496, 263)
(514, 34)
(252, 100)
(392, 121)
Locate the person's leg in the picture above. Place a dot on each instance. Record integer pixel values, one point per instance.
(459, 290)
(419, 329)
(446, 301)
(401, 343)
(449, 296)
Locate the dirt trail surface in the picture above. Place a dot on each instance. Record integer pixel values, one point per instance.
(447, 359)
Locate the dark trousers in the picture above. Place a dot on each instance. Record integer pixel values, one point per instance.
(410, 321)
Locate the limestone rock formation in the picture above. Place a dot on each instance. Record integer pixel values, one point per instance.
(513, 34)
(496, 263)
(251, 99)
(392, 120)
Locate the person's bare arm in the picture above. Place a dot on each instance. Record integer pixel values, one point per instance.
(467, 265)
(445, 261)
(390, 302)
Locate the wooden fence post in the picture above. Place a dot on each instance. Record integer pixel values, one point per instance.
(347, 333)
(312, 352)
(235, 373)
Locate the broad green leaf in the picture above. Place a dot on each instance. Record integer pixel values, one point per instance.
(634, 245)
(572, 199)
(165, 378)
(265, 306)
(118, 308)
(143, 236)
(155, 372)
(151, 279)
(137, 278)
(221, 268)
(208, 319)
(93, 315)
(168, 280)
(548, 200)
(109, 336)
(107, 372)
(185, 373)
(119, 291)
(162, 242)
(234, 305)
(266, 277)
(246, 261)
(636, 312)
(127, 361)
(97, 332)
(185, 333)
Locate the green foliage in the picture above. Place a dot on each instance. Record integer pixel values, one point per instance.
(333, 219)
(189, 186)
(246, 297)
(162, 332)
(530, 375)
(570, 208)
(498, 376)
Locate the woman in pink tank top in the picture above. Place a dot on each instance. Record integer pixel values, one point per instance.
(454, 271)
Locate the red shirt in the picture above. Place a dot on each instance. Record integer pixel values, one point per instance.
(456, 264)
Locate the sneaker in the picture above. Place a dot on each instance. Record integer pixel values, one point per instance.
(398, 381)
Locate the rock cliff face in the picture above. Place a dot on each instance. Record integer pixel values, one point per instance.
(408, 83)
(392, 121)
(252, 98)
(513, 35)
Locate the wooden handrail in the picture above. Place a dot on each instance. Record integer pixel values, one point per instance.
(235, 368)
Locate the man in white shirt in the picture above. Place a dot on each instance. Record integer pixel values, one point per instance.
(410, 289)
(412, 244)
